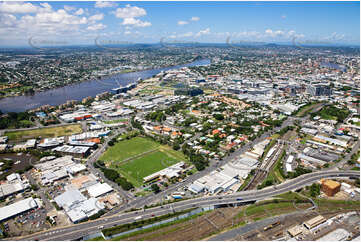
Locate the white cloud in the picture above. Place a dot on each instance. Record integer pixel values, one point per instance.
(45, 22)
(127, 32)
(336, 36)
(17, 7)
(95, 27)
(129, 15)
(203, 32)
(182, 22)
(130, 12)
(80, 11)
(7, 20)
(101, 4)
(283, 16)
(69, 8)
(277, 33)
(136, 22)
(96, 17)
(195, 19)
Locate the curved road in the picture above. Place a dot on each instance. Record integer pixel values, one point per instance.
(77, 231)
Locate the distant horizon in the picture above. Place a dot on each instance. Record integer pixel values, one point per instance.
(80, 23)
(290, 44)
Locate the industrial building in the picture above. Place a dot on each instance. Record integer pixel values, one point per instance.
(99, 189)
(336, 235)
(330, 187)
(13, 185)
(57, 169)
(76, 151)
(295, 230)
(83, 182)
(76, 206)
(310, 224)
(324, 139)
(220, 180)
(88, 135)
(17, 208)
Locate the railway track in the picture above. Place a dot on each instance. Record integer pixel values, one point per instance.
(262, 173)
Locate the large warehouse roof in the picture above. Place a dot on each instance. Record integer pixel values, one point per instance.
(17, 208)
(99, 189)
(70, 197)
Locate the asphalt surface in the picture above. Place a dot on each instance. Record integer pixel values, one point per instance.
(77, 231)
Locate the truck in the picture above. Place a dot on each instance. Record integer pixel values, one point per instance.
(179, 193)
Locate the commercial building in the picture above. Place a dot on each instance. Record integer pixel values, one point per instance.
(319, 90)
(330, 187)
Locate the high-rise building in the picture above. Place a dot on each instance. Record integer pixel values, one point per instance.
(319, 90)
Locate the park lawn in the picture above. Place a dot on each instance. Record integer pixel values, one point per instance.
(327, 116)
(144, 166)
(44, 132)
(128, 148)
(173, 153)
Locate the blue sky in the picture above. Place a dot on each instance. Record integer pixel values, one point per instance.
(60, 23)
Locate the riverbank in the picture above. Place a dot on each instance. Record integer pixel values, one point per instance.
(78, 91)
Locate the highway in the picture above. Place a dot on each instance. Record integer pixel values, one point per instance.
(77, 231)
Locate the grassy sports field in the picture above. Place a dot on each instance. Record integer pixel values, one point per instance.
(139, 157)
(44, 132)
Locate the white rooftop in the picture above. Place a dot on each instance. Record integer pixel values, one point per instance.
(17, 208)
(99, 189)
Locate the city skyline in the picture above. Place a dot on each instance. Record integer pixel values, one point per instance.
(83, 23)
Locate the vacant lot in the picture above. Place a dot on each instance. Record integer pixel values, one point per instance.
(44, 132)
(140, 157)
